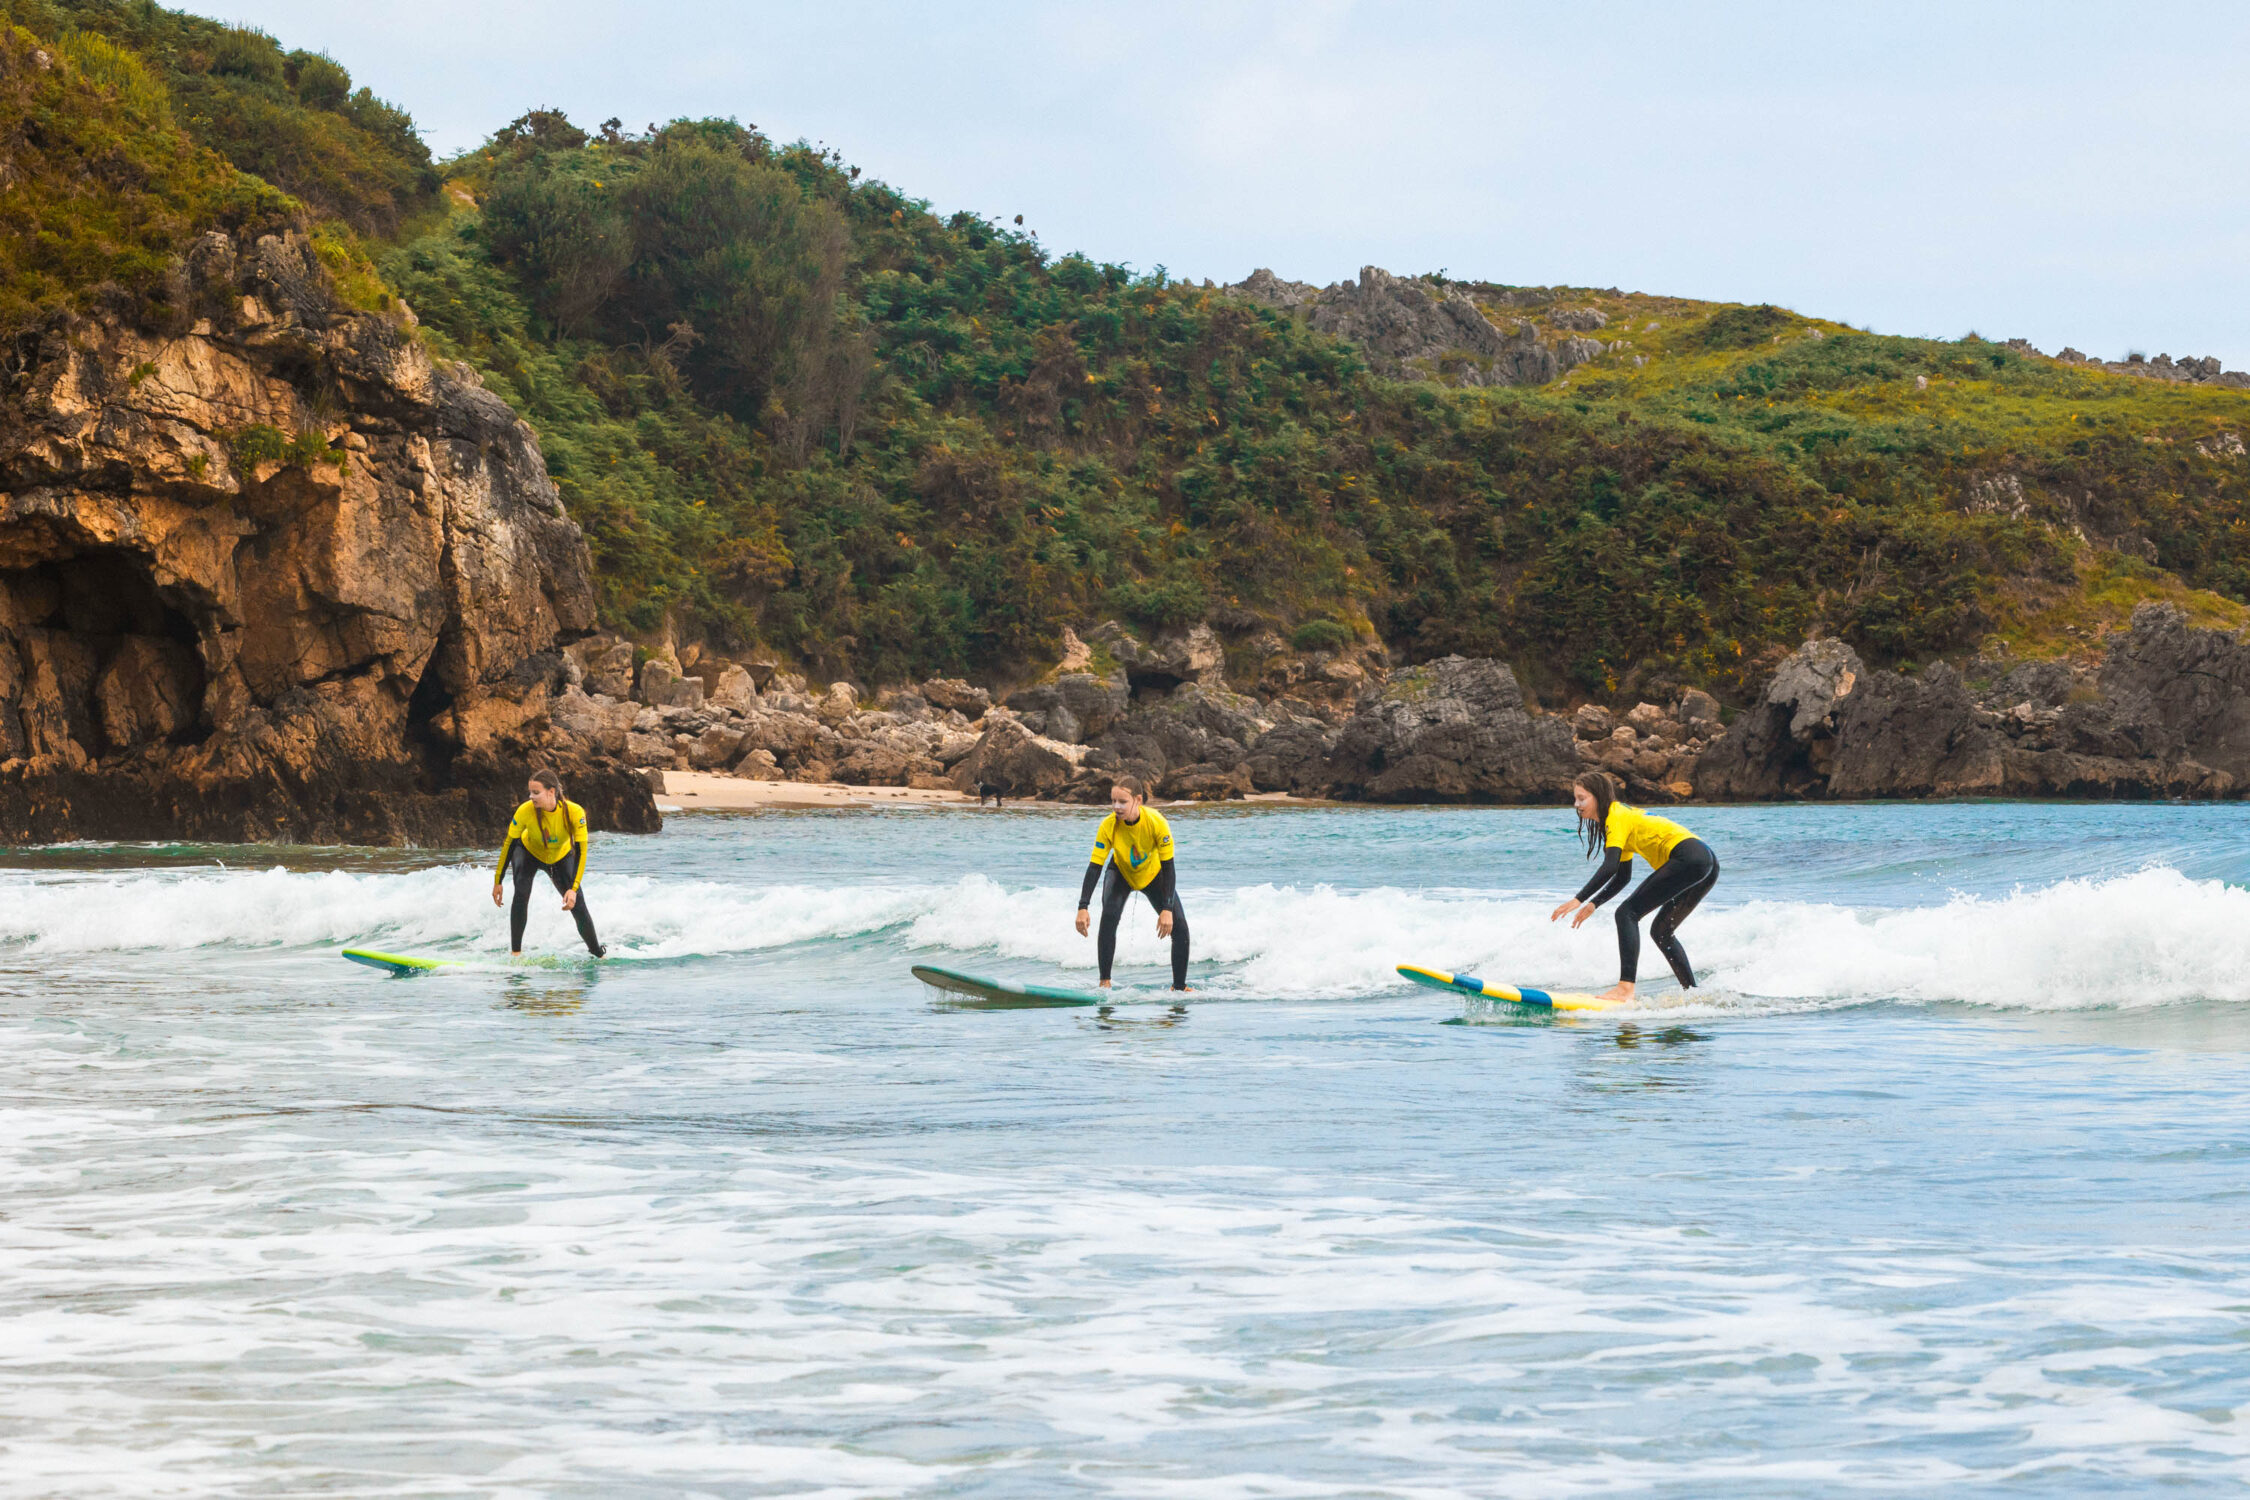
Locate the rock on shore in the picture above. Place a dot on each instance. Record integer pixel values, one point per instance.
(2166, 714)
(1450, 731)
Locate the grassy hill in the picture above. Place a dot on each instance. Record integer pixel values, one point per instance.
(795, 407)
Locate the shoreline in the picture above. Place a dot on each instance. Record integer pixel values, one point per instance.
(711, 791)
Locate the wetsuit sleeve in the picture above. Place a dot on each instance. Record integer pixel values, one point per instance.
(1608, 879)
(507, 845)
(1095, 861)
(585, 845)
(1160, 889)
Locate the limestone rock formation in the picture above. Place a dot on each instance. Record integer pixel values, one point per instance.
(1917, 737)
(1455, 730)
(1412, 328)
(1781, 745)
(1076, 707)
(2167, 714)
(1022, 764)
(1191, 655)
(271, 573)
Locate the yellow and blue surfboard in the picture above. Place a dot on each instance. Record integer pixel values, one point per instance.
(1469, 984)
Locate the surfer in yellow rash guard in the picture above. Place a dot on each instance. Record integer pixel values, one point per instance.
(1135, 843)
(1681, 871)
(547, 833)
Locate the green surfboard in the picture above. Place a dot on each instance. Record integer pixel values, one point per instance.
(397, 964)
(999, 994)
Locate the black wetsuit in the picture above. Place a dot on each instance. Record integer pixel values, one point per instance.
(1672, 892)
(562, 872)
(1163, 894)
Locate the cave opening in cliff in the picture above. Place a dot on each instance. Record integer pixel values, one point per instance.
(1148, 683)
(99, 661)
(430, 698)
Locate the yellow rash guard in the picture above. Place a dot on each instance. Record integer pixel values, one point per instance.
(1632, 832)
(547, 837)
(1135, 850)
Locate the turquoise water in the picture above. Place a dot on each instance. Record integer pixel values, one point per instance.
(1941, 1184)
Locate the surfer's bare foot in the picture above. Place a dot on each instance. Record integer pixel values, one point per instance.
(1105, 984)
(1617, 994)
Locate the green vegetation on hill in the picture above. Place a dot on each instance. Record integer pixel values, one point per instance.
(292, 119)
(101, 186)
(795, 407)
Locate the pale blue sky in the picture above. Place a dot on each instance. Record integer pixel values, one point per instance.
(2070, 173)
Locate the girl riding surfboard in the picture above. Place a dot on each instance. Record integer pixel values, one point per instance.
(1681, 871)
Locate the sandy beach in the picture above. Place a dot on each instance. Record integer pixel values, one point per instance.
(708, 791)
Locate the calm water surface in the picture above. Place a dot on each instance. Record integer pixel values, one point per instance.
(1941, 1184)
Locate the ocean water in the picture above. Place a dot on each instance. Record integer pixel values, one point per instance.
(1940, 1184)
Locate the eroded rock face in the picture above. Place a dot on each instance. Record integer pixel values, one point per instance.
(204, 635)
(2166, 715)
(1915, 737)
(1076, 707)
(1781, 746)
(1409, 327)
(1455, 730)
(1010, 758)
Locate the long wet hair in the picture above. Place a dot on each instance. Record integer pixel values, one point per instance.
(550, 780)
(1604, 789)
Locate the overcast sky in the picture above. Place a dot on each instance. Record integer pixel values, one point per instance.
(2065, 172)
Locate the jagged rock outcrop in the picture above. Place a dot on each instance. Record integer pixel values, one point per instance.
(1193, 742)
(1010, 758)
(2181, 694)
(1411, 327)
(2166, 714)
(272, 573)
(1455, 730)
(1782, 744)
(1075, 707)
(2206, 370)
(1175, 657)
(1901, 736)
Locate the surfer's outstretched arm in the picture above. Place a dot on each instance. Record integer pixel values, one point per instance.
(1615, 872)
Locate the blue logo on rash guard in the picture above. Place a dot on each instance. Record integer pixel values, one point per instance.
(1136, 856)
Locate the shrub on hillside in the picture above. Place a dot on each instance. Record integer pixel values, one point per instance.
(732, 247)
(564, 231)
(1320, 635)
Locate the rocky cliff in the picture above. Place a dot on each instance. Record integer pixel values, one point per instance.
(1414, 327)
(2166, 714)
(266, 571)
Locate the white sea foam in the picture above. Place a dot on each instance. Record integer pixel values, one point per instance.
(2153, 937)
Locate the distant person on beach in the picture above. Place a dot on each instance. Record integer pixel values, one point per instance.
(1135, 843)
(547, 833)
(1681, 871)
